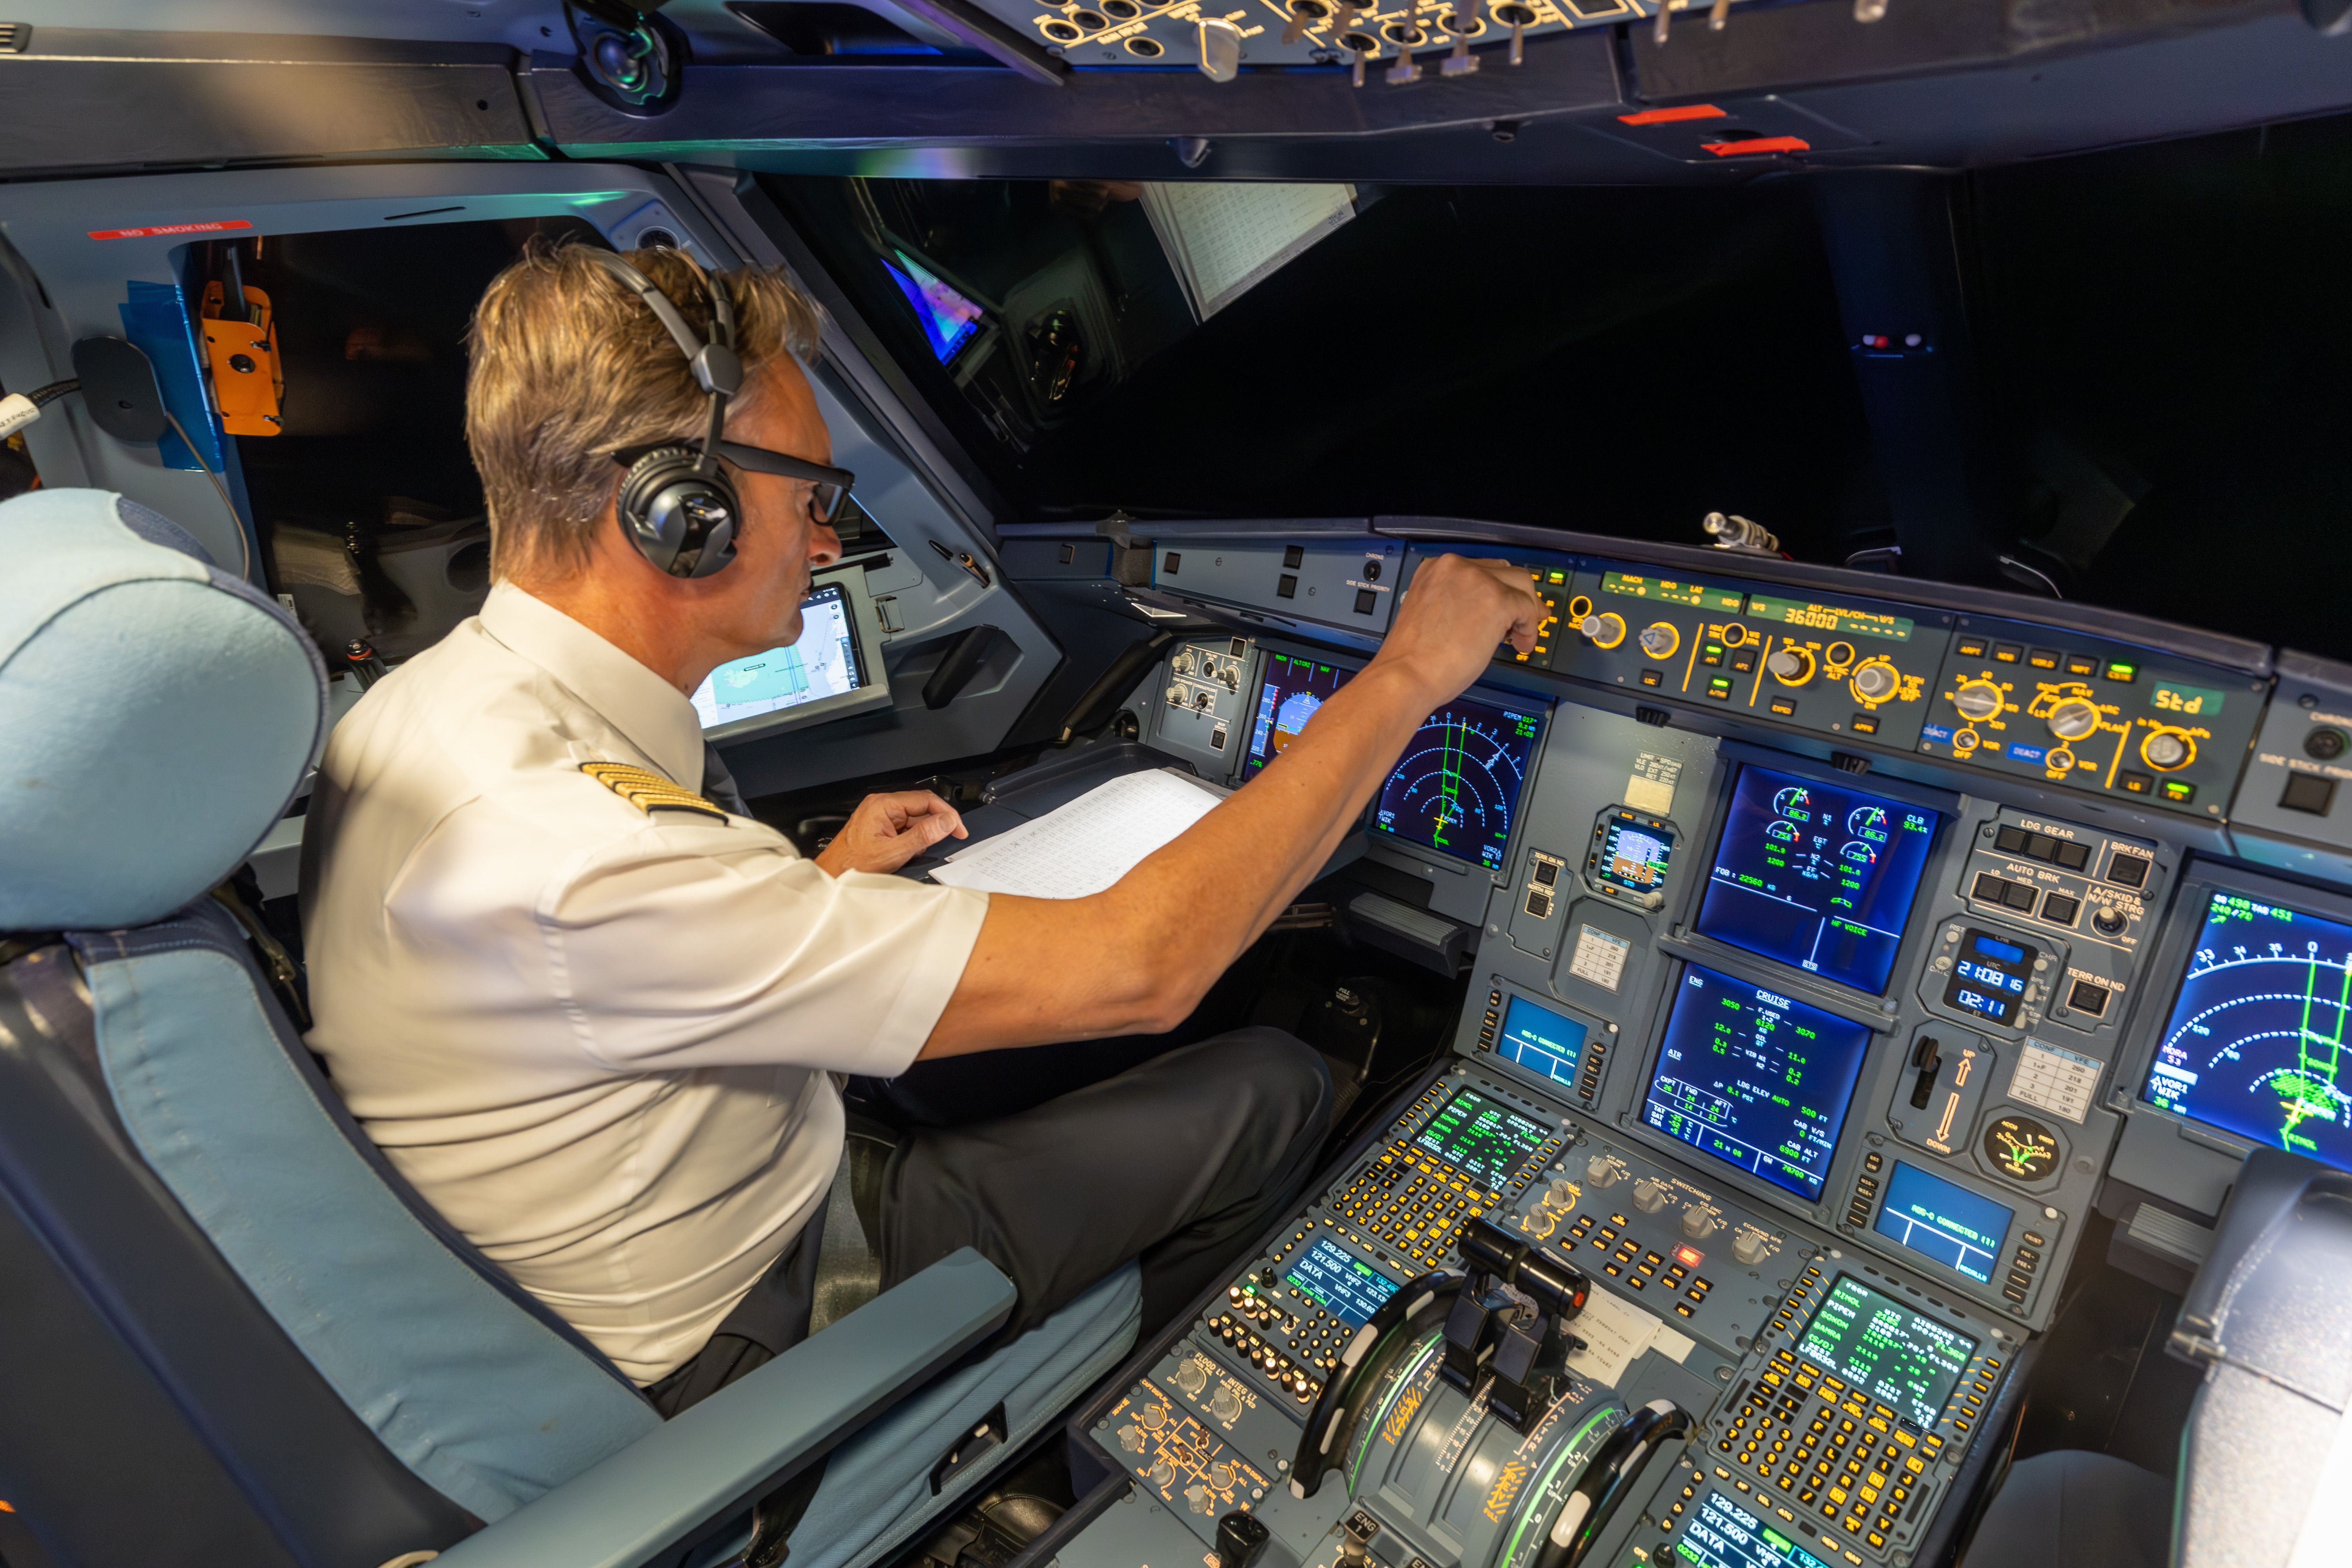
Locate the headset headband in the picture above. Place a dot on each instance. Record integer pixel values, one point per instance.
(716, 368)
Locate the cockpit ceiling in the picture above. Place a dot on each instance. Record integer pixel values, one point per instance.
(944, 87)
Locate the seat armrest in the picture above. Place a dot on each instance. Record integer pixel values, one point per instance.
(713, 1460)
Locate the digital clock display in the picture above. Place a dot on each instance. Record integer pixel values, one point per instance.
(1988, 977)
(1666, 590)
(1838, 618)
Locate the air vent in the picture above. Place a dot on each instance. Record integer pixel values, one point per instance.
(15, 37)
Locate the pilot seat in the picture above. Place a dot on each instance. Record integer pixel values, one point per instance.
(234, 1333)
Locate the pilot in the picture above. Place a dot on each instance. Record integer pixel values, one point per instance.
(591, 1009)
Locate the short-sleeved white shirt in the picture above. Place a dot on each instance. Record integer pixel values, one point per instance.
(595, 1036)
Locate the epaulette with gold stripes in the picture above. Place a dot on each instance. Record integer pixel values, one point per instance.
(647, 790)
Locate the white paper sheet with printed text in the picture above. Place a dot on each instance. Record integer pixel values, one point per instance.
(1086, 846)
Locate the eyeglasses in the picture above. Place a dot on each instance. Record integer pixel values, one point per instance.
(828, 487)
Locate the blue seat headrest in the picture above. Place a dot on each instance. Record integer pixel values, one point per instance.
(159, 714)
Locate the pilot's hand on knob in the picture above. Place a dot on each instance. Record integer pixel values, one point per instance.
(1456, 611)
(886, 831)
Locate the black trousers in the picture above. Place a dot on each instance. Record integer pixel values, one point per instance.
(1178, 1163)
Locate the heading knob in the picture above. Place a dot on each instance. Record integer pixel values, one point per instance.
(2073, 719)
(1877, 682)
(1659, 639)
(1792, 666)
(1977, 700)
(1606, 629)
(1649, 1196)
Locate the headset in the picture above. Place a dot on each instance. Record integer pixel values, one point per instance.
(676, 504)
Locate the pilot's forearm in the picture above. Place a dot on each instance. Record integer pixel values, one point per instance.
(1139, 957)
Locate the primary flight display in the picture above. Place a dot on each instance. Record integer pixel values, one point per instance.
(1817, 876)
(2256, 1043)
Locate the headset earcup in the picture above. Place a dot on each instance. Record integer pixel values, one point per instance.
(678, 517)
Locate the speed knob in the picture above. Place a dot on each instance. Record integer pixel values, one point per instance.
(2166, 749)
(1601, 1171)
(1792, 666)
(1605, 630)
(1977, 700)
(2073, 719)
(1698, 1224)
(1876, 681)
(1649, 1196)
(1659, 639)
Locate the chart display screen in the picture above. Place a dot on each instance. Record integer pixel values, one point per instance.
(2255, 1045)
(1758, 1080)
(1292, 690)
(1633, 853)
(1456, 789)
(1817, 876)
(1944, 1221)
(1906, 1360)
(950, 321)
(1989, 976)
(1540, 1040)
(1722, 1535)
(1482, 1138)
(1339, 1281)
(824, 663)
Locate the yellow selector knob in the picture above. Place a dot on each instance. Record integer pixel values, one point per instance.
(1876, 681)
(2168, 751)
(1605, 630)
(1792, 666)
(1659, 639)
(2073, 719)
(1977, 700)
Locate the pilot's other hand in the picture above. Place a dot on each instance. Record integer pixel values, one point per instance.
(886, 831)
(1452, 618)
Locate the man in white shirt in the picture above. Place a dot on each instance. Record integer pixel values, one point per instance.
(588, 1006)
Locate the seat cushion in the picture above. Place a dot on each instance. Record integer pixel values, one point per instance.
(482, 1399)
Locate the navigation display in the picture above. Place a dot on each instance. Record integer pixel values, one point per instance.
(1904, 1360)
(2256, 1043)
(824, 663)
(1484, 1139)
(1722, 1535)
(1758, 1080)
(1540, 1040)
(1817, 876)
(1944, 1221)
(1456, 789)
(1337, 1280)
(1293, 689)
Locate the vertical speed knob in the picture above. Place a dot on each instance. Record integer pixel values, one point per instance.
(1791, 665)
(2073, 719)
(1977, 700)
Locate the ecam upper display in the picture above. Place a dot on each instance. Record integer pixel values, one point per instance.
(1817, 876)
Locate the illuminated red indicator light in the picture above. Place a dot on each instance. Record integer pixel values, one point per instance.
(1759, 144)
(1689, 1256)
(1673, 116)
